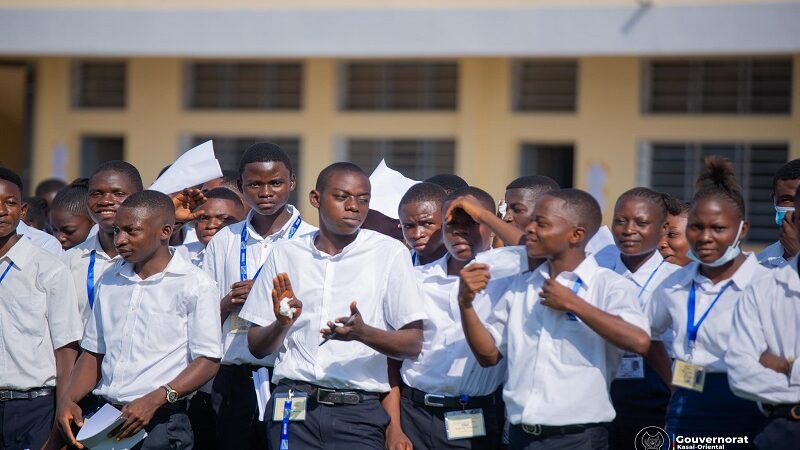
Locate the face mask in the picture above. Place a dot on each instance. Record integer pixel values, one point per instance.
(731, 252)
(780, 213)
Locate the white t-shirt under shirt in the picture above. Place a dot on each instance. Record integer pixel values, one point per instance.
(374, 270)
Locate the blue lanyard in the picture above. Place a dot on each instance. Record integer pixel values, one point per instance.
(413, 258)
(287, 412)
(650, 278)
(243, 249)
(691, 327)
(5, 272)
(90, 278)
(575, 288)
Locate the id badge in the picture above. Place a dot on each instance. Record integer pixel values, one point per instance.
(298, 413)
(238, 325)
(464, 424)
(688, 375)
(631, 367)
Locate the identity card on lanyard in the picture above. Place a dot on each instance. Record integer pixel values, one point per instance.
(686, 374)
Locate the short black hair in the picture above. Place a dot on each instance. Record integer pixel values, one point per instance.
(788, 171)
(223, 193)
(718, 180)
(124, 168)
(49, 185)
(36, 214)
(337, 167)
(73, 198)
(154, 202)
(676, 206)
(538, 183)
(582, 208)
(448, 182)
(660, 200)
(230, 177)
(11, 176)
(424, 192)
(482, 196)
(265, 152)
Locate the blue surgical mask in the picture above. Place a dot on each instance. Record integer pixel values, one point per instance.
(780, 213)
(731, 252)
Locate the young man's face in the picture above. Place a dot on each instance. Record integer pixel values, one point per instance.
(463, 237)
(421, 223)
(550, 231)
(217, 214)
(11, 208)
(138, 234)
(343, 202)
(70, 229)
(107, 191)
(519, 207)
(266, 186)
(638, 226)
(784, 192)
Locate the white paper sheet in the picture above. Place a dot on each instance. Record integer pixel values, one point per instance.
(388, 187)
(261, 385)
(194, 167)
(504, 261)
(95, 430)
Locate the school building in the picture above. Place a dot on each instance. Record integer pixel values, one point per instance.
(602, 95)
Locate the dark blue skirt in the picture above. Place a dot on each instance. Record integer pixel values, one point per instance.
(639, 404)
(714, 412)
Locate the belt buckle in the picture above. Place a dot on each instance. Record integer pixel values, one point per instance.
(535, 430)
(5, 396)
(429, 400)
(324, 391)
(794, 412)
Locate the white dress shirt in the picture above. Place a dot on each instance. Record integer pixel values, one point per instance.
(772, 256)
(150, 330)
(221, 261)
(77, 260)
(195, 251)
(559, 369)
(38, 313)
(767, 318)
(374, 270)
(446, 365)
(603, 248)
(41, 239)
(668, 310)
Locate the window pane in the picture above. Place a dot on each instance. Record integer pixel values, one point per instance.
(96, 150)
(414, 158)
(400, 86)
(245, 85)
(771, 86)
(546, 85)
(554, 161)
(99, 84)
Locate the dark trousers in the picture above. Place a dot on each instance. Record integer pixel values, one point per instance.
(779, 434)
(234, 399)
(204, 421)
(25, 424)
(168, 429)
(425, 427)
(594, 438)
(338, 427)
(639, 404)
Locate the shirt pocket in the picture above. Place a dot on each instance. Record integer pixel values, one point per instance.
(28, 319)
(165, 332)
(577, 344)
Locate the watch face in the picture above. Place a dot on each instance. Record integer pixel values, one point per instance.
(172, 396)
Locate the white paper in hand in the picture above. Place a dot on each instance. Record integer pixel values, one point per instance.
(388, 187)
(261, 385)
(194, 167)
(504, 261)
(96, 429)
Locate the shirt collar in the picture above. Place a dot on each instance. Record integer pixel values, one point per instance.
(585, 271)
(362, 236)
(647, 269)
(788, 275)
(741, 278)
(179, 264)
(20, 253)
(278, 234)
(92, 243)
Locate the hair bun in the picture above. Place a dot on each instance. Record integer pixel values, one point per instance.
(718, 172)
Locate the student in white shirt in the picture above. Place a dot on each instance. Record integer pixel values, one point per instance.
(40, 326)
(762, 351)
(153, 338)
(221, 209)
(110, 184)
(358, 278)
(784, 185)
(40, 239)
(234, 258)
(446, 379)
(561, 329)
(697, 304)
(420, 214)
(69, 218)
(640, 392)
(674, 248)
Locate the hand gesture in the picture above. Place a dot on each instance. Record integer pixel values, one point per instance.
(185, 202)
(788, 235)
(396, 439)
(776, 363)
(139, 412)
(235, 298)
(281, 289)
(472, 279)
(469, 204)
(67, 413)
(557, 296)
(345, 328)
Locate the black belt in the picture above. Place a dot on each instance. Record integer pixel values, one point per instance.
(327, 396)
(441, 401)
(9, 394)
(787, 411)
(166, 409)
(543, 431)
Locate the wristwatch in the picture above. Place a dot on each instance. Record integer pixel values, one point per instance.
(172, 394)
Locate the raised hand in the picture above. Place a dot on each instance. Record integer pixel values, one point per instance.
(282, 289)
